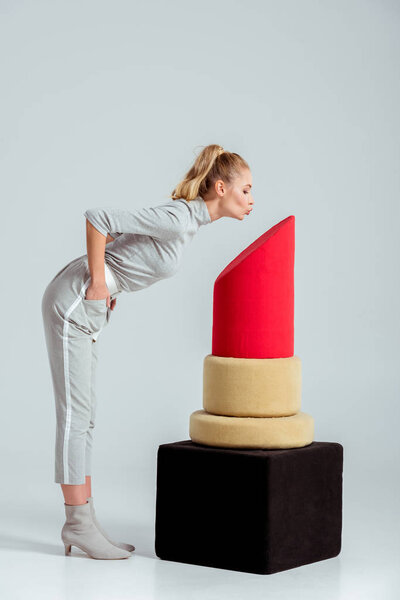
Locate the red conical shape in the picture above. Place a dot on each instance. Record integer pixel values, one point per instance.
(253, 311)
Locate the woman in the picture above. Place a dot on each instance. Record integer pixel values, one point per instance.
(146, 247)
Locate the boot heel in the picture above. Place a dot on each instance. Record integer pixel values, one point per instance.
(67, 549)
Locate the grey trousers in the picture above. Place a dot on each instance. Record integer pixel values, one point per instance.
(72, 325)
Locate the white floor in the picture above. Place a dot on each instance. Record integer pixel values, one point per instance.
(33, 564)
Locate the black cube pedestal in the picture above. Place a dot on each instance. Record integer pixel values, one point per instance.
(257, 511)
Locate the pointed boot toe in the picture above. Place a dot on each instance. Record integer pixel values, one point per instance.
(121, 545)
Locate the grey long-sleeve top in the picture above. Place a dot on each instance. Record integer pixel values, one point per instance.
(149, 241)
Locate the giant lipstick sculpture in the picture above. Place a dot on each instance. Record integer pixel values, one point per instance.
(251, 491)
(252, 380)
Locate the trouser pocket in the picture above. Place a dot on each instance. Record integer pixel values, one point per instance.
(96, 312)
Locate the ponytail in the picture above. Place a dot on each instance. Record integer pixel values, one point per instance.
(211, 164)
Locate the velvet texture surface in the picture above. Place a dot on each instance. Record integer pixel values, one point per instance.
(252, 387)
(251, 432)
(257, 511)
(253, 303)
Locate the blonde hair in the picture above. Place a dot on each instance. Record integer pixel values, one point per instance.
(211, 164)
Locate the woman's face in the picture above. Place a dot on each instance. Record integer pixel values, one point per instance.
(231, 200)
(238, 199)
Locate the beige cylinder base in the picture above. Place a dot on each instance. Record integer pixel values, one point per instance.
(295, 431)
(251, 387)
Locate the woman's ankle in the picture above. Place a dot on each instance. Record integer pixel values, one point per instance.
(74, 494)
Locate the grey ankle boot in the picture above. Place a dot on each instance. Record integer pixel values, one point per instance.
(80, 531)
(128, 547)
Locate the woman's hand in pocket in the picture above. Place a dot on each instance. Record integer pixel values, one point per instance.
(98, 292)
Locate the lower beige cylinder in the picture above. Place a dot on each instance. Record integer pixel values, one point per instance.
(252, 387)
(271, 433)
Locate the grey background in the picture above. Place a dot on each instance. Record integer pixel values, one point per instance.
(108, 103)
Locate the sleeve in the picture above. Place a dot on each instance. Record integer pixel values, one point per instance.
(164, 222)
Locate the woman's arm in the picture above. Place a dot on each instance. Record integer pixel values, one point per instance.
(163, 222)
(96, 243)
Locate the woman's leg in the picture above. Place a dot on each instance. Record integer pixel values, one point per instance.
(74, 494)
(70, 348)
(77, 494)
(70, 321)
